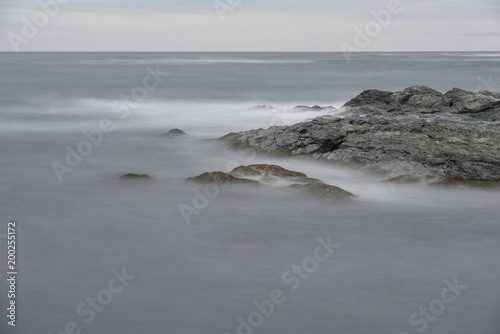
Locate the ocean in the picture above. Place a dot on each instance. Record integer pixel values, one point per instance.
(104, 256)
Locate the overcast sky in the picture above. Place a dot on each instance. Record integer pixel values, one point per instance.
(252, 25)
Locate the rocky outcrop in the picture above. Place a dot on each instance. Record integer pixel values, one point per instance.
(422, 99)
(273, 175)
(415, 133)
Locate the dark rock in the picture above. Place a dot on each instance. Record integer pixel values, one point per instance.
(174, 133)
(371, 97)
(322, 190)
(266, 171)
(404, 96)
(454, 94)
(132, 176)
(221, 178)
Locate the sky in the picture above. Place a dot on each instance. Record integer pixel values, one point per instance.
(250, 25)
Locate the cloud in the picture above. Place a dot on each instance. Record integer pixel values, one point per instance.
(114, 25)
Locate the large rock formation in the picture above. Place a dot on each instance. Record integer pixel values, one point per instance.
(418, 132)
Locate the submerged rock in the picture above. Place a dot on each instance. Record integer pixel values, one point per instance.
(322, 190)
(132, 176)
(266, 171)
(313, 108)
(429, 139)
(174, 133)
(220, 178)
(273, 175)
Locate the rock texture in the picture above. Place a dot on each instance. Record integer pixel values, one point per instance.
(275, 176)
(418, 132)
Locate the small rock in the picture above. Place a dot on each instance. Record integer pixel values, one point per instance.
(174, 133)
(132, 176)
(221, 178)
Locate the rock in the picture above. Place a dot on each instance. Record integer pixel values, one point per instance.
(427, 101)
(405, 145)
(371, 97)
(132, 176)
(454, 94)
(221, 178)
(475, 103)
(273, 175)
(313, 108)
(174, 133)
(267, 171)
(322, 190)
(404, 96)
(263, 107)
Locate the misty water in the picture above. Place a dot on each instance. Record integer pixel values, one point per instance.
(397, 243)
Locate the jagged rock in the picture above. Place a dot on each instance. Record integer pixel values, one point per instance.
(400, 145)
(454, 94)
(174, 133)
(371, 97)
(427, 101)
(476, 102)
(132, 176)
(404, 96)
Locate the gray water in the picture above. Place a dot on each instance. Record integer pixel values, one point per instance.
(397, 243)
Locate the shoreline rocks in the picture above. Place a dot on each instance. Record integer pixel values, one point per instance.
(415, 133)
